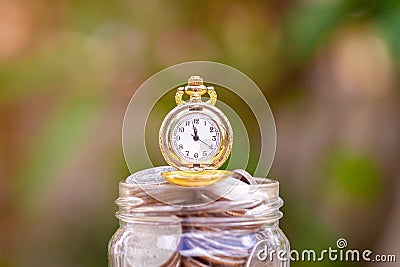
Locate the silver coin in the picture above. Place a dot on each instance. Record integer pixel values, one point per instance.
(223, 205)
(232, 189)
(151, 245)
(149, 176)
(244, 176)
(235, 249)
(212, 256)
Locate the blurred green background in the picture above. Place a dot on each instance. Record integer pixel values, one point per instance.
(329, 69)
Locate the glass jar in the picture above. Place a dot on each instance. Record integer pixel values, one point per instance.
(170, 226)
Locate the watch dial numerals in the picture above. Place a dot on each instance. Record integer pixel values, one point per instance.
(196, 138)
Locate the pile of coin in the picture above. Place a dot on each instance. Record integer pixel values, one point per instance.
(176, 226)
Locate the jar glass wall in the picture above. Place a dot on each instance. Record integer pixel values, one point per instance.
(240, 230)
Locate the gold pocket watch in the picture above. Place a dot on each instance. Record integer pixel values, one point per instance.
(195, 137)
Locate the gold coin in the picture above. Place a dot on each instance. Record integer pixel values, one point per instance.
(174, 261)
(191, 262)
(195, 178)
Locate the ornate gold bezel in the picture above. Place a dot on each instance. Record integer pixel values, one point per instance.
(205, 109)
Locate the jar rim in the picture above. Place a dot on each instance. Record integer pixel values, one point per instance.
(248, 204)
(130, 194)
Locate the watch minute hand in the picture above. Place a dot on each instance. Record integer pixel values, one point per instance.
(209, 146)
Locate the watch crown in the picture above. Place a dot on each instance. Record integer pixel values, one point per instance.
(195, 80)
(195, 88)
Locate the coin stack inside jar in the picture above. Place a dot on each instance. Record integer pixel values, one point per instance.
(217, 225)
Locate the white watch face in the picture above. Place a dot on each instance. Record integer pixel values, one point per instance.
(196, 138)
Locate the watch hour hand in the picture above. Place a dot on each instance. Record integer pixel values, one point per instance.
(195, 136)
